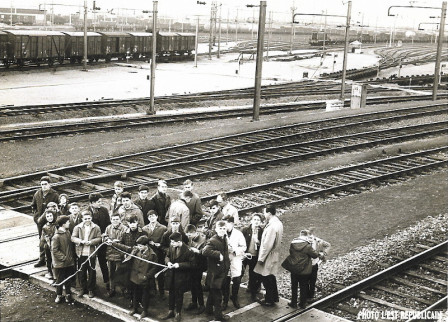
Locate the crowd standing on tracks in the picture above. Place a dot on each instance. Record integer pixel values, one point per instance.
(158, 244)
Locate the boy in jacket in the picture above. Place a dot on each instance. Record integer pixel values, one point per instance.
(48, 231)
(63, 258)
(86, 236)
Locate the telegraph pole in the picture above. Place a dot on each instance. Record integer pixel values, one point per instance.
(85, 37)
(196, 44)
(344, 64)
(439, 52)
(260, 43)
(293, 9)
(152, 109)
(219, 32)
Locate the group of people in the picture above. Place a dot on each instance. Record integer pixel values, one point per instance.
(155, 244)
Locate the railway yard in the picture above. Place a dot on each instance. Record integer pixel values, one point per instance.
(371, 180)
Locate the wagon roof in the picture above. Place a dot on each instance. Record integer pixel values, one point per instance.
(186, 34)
(80, 33)
(167, 34)
(34, 32)
(140, 34)
(114, 33)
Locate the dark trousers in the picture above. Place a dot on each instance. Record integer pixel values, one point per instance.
(87, 283)
(101, 255)
(41, 247)
(197, 295)
(312, 281)
(302, 281)
(61, 274)
(175, 300)
(270, 285)
(112, 266)
(214, 300)
(49, 261)
(254, 278)
(140, 293)
(226, 287)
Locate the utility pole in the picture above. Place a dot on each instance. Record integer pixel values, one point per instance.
(219, 32)
(291, 41)
(260, 43)
(152, 109)
(439, 52)
(325, 32)
(210, 38)
(344, 64)
(85, 37)
(196, 44)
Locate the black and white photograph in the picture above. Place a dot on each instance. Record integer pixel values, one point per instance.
(223, 160)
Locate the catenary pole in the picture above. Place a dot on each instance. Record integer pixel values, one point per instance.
(344, 64)
(85, 37)
(260, 43)
(439, 52)
(152, 109)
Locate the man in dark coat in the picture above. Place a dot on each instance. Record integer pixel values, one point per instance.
(218, 264)
(160, 202)
(194, 204)
(41, 199)
(216, 215)
(100, 217)
(180, 260)
(143, 202)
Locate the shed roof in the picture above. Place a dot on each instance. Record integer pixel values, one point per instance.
(114, 33)
(34, 32)
(140, 34)
(80, 33)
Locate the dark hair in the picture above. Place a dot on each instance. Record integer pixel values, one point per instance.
(62, 220)
(229, 218)
(190, 229)
(86, 213)
(221, 223)
(115, 214)
(143, 187)
(258, 215)
(132, 218)
(94, 197)
(151, 212)
(271, 209)
(63, 195)
(187, 194)
(45, 178)
(126, 194)
(142, 240)
(214, 203)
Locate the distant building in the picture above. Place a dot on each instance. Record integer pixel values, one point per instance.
(21, 16)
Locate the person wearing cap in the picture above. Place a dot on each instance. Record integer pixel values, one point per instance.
(44, 195)
(86, 236)
(115, 203)
(196, 243)
(180, 210)
(269, 255)
(143, 202)
(237, 248)
(322, 247)
(160, 202)
(155, 230)
(180, 260)
(216, 215)
(142, 274)
(194, 203)
(227, 208)
(128, 208)
(100, 217)
(216, 251)
(175, 227)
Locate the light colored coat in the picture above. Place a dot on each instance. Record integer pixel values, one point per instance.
(269, 253)
(78, 236)
(237, 247)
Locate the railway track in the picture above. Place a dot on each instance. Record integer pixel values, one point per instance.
(39, 131)
(400, 292)
(227, 154)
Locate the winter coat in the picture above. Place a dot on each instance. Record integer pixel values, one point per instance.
(199, 243)
(133, 210)
(115, 203)
(166, 242)
(302, 252)
(142, 272)
(39, 203)
(48, 231)
(216, 270)
(179, 210)
(269, 254)
(74, 221)
(114, 233)
(144, 205)
(160, 203)
(62, 252)
(247, 232)
(210, 223)
(155, 235)
(179, 278)
(78, 236)
(195, 208)
(100, 216)
(237, 247)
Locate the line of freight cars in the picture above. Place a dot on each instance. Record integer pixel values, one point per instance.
(19, 47)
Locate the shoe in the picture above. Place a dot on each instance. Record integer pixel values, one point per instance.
(91, 294)
(39, 264)
(292, 305)
(209, 312)
(224, 306)
(178, 317)
(169, 315)
(68, 298)
(58, 299)
(201, 309)
(223, 317)
(191, 306)
(143, 315)
(81, 293)
(235, 302)
(111, 293)
(264, 303)
(132, 312)
(49, 276)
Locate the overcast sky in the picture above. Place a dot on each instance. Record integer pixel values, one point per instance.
(372, 12)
